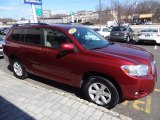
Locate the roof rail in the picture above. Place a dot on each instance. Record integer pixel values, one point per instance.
(36, 24)
(27, 24)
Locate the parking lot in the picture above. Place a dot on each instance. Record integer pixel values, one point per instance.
(143, 109)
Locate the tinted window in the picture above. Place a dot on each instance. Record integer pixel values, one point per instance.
(119, 29)
(54, 38)
(143, 30)
(16, 34)
(33, 36)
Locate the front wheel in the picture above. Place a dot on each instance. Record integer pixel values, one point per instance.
(18, 69)
(101, 91)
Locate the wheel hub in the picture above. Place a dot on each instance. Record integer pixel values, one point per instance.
(99, 93)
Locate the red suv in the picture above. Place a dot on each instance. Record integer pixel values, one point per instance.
(76, 55)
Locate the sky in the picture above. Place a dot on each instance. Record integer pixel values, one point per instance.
(16, 9)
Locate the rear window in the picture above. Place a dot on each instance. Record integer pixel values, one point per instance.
(119, 29)
(150, 30)
(105, 30)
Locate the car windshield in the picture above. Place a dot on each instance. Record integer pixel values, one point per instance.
(119, 28)
(88, 38)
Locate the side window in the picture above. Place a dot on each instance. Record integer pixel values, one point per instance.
(54, 38)
(33, 36)
(16, 34)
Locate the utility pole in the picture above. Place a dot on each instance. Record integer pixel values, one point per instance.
(100, 13)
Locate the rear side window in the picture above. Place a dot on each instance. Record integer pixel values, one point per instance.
(33, 36)
(16, 34)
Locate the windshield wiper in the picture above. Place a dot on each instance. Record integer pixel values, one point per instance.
(99, 47)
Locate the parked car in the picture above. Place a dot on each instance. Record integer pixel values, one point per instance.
(104, 31)
(108, 73)
(126, 24)
(148, 23)
(1, 42)
(149, 35)
(122, 33)
(87, 23)
(4, 30)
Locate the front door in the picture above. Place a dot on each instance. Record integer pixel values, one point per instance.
(56, 64)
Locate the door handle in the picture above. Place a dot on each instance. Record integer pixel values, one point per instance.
(44, 52)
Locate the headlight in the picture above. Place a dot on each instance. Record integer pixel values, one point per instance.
(135, 70)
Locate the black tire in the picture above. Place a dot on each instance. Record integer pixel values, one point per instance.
(24, 74)
(110, 88)
(128, 39)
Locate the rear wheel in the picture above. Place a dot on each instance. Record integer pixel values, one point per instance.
(128, 39)
(101, 91)
(18, 69)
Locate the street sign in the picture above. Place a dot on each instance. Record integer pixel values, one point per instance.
(39, 12)
(35, 2)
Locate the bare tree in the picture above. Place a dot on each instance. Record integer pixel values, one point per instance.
(147, 6)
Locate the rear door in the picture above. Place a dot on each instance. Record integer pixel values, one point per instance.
(30, 50)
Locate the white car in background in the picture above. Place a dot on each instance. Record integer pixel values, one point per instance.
(149, 35)
(104, 31)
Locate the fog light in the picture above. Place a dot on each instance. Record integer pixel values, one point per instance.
(136, 93)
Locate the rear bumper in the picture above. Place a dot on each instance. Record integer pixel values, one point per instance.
(157, 40)
(118, 38)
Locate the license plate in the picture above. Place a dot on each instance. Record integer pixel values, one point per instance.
(117, 34)
(147, 35)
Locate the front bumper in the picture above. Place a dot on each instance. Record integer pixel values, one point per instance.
(138, 87)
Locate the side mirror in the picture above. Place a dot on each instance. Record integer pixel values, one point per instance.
(67, 47)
